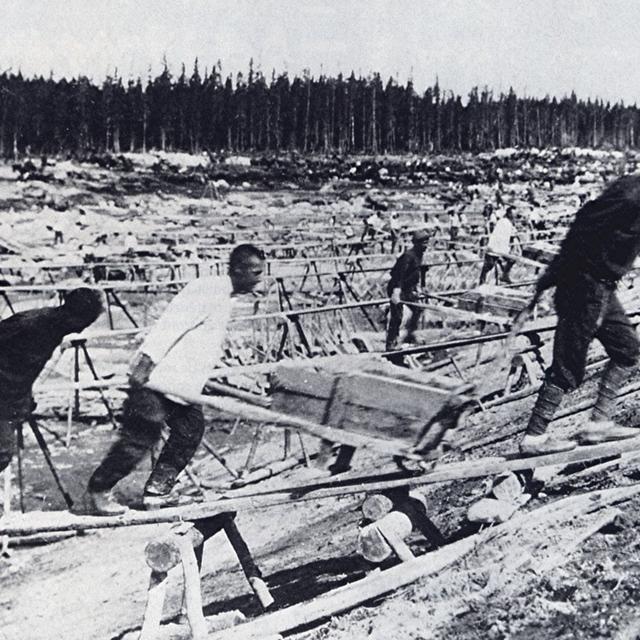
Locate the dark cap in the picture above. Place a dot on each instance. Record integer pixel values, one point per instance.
(420, 235)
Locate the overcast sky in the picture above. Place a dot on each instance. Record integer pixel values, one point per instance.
(536, 46)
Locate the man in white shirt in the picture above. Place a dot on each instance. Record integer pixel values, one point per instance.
(130, 242)
(179, 353)
(500, 241)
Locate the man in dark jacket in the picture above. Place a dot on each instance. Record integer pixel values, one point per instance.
(404, 286)
(599, 248)
(27, 341)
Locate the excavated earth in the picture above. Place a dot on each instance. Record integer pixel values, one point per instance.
(94, 585)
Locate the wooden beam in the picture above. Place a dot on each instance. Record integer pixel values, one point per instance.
(249, 567)
(342, 485)
(349, 596)
(155, 603)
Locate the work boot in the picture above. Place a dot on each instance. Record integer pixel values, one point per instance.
(151, 501)
(612, 379)
(597, 431)
(102, 503)
(548, 400)
(537, 445)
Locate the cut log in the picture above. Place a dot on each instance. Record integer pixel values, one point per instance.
(163, 553)
(375, 506)
(377, 541)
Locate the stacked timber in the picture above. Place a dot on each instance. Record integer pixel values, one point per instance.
(493, 299)
(374, 398)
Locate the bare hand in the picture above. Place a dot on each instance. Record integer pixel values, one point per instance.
(141, 370)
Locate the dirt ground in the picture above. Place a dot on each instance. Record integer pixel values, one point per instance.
(94, 586)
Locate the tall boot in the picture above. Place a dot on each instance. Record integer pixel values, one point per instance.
(601, 427)
(536, 441)
(548, 400)
(612, 379)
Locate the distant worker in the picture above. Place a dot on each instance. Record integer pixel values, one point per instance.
(405, 286)
(58, 234)
(179, 353)
(454, 228)
(27, 341)
(393, 226)
(500, 241)
(490, 218)
(457, 222)
(130, 242)
(373, 226)
(349, 231)
(599, 249)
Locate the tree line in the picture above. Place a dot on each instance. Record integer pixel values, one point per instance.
(252, 113)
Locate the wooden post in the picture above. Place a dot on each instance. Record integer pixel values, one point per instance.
(19, 454)
(192, 592)
(163, 554)
(155, 602)
(251, 571)
(67, 439)
(4, 551)
(42, 443)
(76, 378)
(287, 444)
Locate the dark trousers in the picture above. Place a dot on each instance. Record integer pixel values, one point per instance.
(8, 429)
(140, 433)
(504, 264)
(395, 321)
(12, 415)
(588, 309)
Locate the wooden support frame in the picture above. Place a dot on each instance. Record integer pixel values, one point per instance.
(184, 545)
(80, 345)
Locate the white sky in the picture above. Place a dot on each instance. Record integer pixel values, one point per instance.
(536, 46)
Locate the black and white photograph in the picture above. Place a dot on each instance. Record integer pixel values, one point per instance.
(319, 320)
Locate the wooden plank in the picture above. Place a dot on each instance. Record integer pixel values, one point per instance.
(307, 381)
(154, 607)
(192, 589)
(342, 485)
(390, 395)
(349, 596)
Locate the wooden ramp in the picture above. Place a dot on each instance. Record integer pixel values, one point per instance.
(344, 484)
